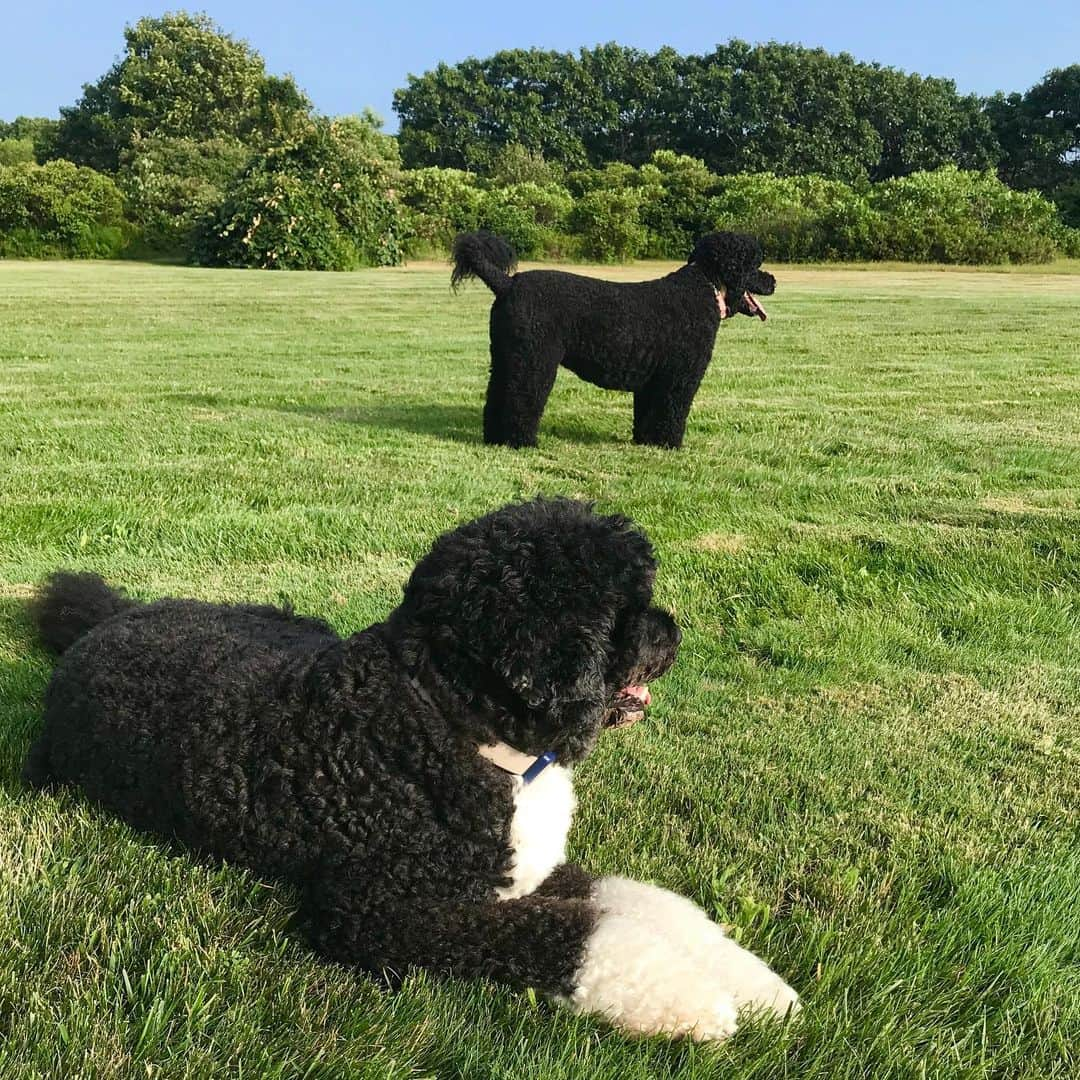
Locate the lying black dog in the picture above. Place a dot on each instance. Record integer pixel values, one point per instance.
(414, 779)
(654, 338)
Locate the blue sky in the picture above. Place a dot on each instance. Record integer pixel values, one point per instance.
(351, 55)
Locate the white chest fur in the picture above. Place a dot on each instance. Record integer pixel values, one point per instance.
(543, 811)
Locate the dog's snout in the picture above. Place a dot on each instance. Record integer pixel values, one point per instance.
(665, 627)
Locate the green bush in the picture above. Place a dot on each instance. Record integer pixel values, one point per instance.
(441, 203)
(608, 225)
(39, 131)
(517, 164)
(796, 218)
(675, 193)
(16, 151)
(169, 184)
(324, 202)
(947, 215)
(954, 216)
(531, 216)
(59, 209)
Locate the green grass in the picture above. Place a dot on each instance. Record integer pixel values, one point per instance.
(867, 758)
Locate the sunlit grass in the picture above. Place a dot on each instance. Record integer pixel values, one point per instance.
(867, 759)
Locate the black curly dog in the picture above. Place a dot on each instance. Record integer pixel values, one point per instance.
(653, 338)
(413, 780)
(351, 767)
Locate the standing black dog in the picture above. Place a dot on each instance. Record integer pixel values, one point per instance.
(653, 338)
(414, 779)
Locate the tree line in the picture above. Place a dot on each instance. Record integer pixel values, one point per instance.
(187, 146)
(776, 108)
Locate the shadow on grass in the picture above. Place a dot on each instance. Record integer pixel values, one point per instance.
(22, 687)
(453, 423)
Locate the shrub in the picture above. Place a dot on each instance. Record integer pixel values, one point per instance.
(442, 203)
(675, 202)
(39, 131)
(608, 225)
(532, 217)
(954, 216)
(169, 184)
(947, 215)
(59, 209)
(324, 202)
(16, 151)
(517, 164)
(796, 218)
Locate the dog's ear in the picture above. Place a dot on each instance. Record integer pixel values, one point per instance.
(561, 664)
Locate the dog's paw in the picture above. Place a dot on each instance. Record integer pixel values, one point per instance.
(643, 984)
(749, 981)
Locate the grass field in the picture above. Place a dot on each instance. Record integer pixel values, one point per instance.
(867, 759)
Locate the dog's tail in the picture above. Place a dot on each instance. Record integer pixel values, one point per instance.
(69, 605)
(485, 256)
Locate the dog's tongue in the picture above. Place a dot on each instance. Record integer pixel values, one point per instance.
(755, 307)
(629, 706)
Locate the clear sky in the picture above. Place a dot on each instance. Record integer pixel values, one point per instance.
(350, 55)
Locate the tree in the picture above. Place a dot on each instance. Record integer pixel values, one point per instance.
(460, 117)
(1039, 133)
(38, 131)
(780, 108)
(180, 77)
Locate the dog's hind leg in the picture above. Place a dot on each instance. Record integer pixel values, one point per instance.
(518, 390)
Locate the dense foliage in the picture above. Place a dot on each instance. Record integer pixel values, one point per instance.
(179, 77)
(59, 209)
(741, 108)
(1039, 136)
(777, 108)
(321, 202)
(619, 212)
(171, 183)
(608, 154)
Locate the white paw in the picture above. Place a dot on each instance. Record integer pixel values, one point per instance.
(644, 985)
(750, 982)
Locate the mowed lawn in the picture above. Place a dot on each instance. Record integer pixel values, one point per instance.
(866, 761)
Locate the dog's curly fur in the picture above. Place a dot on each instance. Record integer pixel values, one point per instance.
(351, 767)
(653, 338)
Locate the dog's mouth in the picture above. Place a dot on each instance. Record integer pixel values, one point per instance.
(628, 707)
(750, 305)
(754, 307)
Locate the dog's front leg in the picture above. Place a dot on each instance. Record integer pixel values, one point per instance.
(568, 881)
(589, 957)
(751, 982)
(662, 407)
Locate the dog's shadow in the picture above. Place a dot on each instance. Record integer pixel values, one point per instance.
(452, 423)
(22, 686)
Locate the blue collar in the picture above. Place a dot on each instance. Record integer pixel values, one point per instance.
(505, 757)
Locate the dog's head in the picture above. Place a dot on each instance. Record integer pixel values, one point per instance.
(731, 261)
(539, 618)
